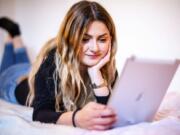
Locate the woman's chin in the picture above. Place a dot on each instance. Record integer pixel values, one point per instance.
(91, 64)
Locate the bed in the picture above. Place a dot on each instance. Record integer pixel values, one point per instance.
(16, 120)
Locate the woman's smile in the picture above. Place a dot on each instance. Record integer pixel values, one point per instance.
(93, 56)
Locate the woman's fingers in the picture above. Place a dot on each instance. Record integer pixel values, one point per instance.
(105, 59)
(97, 106)
(101, 127)
(104, 117)
(107, 112)
(105, 120)
(95, 116)
(101, 110)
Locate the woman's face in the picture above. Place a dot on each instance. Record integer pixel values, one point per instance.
(95, 44)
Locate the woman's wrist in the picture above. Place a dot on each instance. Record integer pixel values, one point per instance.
(69, 118)
(96, 76)
(101, 92)
(74, 120)
(99, 85)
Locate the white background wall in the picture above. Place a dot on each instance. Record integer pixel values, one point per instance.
(145, 28)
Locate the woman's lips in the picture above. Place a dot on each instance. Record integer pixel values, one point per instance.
(93, 56)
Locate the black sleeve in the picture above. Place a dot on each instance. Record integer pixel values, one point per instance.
(104, 99)
(44, 101)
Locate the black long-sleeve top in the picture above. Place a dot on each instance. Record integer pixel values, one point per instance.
(44, 101)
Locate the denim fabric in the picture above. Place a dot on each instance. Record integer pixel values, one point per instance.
(13, 56)
(15, 64)
(21, 56)
(9, 78)
(8, 57)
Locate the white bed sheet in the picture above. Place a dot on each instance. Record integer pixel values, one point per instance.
(17, 120)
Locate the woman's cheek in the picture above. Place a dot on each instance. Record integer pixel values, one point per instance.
(105, 49)
(84, 48)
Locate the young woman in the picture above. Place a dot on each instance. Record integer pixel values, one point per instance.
(71, 80)
(72, 77)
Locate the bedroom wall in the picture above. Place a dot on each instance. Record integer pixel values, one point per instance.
(145, 28)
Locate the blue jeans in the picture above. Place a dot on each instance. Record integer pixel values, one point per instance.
(12, 57)
(15, 63)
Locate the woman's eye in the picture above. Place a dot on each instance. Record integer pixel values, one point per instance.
(102, 40)
(84, 40)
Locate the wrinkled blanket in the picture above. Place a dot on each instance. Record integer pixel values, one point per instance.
(17, 120)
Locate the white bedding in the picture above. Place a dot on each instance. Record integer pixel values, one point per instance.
(16, 120)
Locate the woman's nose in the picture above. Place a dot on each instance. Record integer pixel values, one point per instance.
(94, 46)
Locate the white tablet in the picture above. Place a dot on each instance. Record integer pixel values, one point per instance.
(140, 88)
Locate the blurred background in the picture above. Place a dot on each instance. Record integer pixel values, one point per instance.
(145, 28)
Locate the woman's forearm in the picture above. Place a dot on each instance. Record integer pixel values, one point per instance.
(97, 79)
(103, 91)
(65, 118)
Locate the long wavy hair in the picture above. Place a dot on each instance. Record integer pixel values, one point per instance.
(73, 90)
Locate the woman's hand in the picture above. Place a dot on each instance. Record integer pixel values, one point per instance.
(103, 61)
(95, 116)
(94, 71)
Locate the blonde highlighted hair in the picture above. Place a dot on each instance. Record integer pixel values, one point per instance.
(73, 90)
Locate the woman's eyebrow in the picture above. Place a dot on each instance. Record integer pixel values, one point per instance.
(102, 35)
(105, 34)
